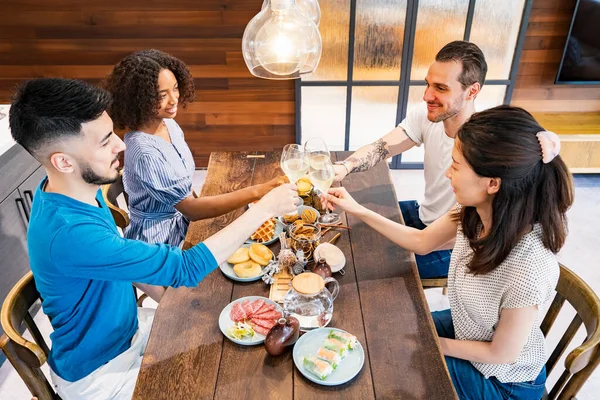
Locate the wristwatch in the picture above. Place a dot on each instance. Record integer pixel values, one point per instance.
(344, 164)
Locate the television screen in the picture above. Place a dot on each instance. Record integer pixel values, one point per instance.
(581, 56)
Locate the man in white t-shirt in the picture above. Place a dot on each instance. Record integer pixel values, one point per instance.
(453, 82)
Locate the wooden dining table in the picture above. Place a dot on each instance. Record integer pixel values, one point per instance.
(381, 301)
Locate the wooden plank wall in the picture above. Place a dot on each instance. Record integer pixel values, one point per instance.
(233, 111)
(84, 39)
(546, 36)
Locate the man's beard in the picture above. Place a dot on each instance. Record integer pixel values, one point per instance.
(91, 177)
(452, 111)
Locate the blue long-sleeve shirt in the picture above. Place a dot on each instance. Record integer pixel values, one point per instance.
(83, 270)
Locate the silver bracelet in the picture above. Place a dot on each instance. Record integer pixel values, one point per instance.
(344, 164)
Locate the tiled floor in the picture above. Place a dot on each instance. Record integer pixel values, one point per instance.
(581, 253)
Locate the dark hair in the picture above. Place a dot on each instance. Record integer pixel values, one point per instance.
(46, 110)
(501, 143)
(133, 84)
(474, 67)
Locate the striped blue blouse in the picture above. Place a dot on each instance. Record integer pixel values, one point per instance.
(157, 176)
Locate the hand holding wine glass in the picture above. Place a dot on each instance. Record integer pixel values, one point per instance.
(321, 176)
(294, 162)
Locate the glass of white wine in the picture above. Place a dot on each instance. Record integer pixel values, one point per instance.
(294, 162)
(321, 176)
(317, 152)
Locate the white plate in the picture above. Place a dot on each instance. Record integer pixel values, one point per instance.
(278, 229)
(227, 269)
(300, 211)
(348, 368)
(334, 268)
(225, 322)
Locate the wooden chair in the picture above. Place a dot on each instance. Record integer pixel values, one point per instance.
(110, 193)
(581, 361)
(429, 283)
(25, 356)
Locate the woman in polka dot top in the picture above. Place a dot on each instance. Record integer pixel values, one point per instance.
(513, 191)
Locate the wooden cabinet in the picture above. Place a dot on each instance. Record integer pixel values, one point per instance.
(19, 176)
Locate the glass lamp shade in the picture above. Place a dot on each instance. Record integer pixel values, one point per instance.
(280, 42)
(309, 8)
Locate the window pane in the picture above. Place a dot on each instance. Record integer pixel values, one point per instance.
(335, 20)
(378, 37)
(495, 30)
(324, 115)
(373, 114)
(438, 22)
(490, 96)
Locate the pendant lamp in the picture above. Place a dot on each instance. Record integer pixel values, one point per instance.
(280, 42)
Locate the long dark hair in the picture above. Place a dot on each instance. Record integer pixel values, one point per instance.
(501, 143)
(133, 84)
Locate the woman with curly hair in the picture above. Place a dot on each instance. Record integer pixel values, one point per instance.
(148, 87)
(513, 191)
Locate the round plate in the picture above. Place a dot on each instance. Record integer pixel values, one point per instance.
(300, 211)
(334, 268)
(278, 229)
(347, 369)
(225, 322)
(227, 270)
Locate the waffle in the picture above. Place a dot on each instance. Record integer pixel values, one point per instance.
(265, 232)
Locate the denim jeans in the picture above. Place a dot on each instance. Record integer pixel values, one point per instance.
(434, 264)
(470, 384)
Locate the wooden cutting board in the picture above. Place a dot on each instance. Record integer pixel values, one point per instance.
(281, 286)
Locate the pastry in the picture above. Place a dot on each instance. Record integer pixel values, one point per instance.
(265, 232)
(309, 216)
(290, 218)
(304, 186)
(248, 269)
(260, 254)
(239, 256)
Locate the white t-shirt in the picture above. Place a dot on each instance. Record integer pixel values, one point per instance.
(527, 277)
(439, 197)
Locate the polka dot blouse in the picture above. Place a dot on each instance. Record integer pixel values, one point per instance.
(527, 277)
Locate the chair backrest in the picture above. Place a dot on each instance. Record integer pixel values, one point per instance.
(110, 193)
(25, 356)
(581, 361)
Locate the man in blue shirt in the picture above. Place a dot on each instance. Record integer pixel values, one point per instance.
(83, 268)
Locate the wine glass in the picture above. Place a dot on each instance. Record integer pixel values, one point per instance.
(294, 162)
(321, 176)
(316, 151)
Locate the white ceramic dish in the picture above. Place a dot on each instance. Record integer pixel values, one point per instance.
(339, 256)
(225, 321)
(227, 270)
(348, 368)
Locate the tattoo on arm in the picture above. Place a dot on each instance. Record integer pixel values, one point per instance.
(376, 153)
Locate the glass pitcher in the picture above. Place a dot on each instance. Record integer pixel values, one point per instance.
(310, 301)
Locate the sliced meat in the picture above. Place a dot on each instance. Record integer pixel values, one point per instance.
(266, 308)
(260, 329)
(237, 313)
(256, 305)
(265, 323)
(271, 316)
(247, 309)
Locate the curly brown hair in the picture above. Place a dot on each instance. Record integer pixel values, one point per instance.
(133, 84)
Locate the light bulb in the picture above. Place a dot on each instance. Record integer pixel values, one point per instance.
(280, 42)
(279, 47)
(309, 8)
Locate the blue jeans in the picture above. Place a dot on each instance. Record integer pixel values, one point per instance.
(434, 264)
(470, 384)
